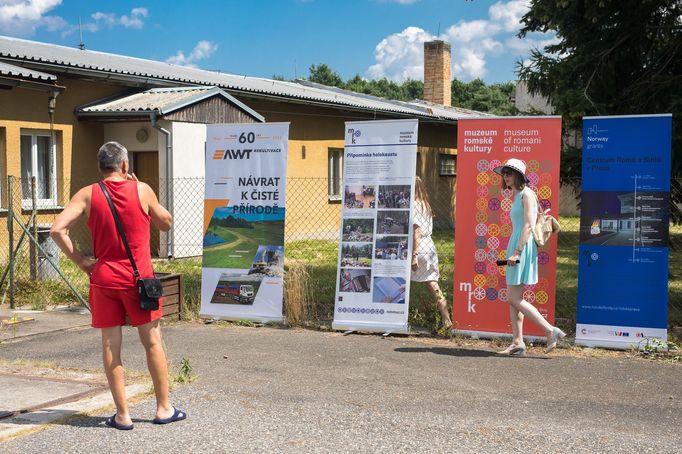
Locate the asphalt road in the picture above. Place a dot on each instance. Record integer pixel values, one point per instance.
(273, 390)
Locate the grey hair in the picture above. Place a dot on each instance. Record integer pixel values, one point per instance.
(110, 156)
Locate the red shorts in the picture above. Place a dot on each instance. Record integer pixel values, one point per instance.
(110, 306)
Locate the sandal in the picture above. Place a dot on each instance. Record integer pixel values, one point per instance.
(178, 415)
(111, 422)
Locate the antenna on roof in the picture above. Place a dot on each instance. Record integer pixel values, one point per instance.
(438, 34)
(295, 75)
(81, 45)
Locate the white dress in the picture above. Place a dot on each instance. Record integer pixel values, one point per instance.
(427, 257)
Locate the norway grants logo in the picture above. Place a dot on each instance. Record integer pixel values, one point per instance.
(354, 134)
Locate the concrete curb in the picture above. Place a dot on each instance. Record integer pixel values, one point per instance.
(44, 418)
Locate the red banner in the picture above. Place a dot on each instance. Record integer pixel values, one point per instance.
(483, 225)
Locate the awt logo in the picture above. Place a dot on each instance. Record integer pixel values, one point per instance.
(232, 154)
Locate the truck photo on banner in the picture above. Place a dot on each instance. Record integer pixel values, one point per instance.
(243, 248)
(483, 223)
(373, 274)
(624, 219)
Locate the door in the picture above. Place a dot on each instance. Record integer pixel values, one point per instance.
(146, 168)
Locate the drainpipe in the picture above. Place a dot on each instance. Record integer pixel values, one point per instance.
(169, 173)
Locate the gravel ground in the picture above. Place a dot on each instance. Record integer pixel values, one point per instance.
(274, 390)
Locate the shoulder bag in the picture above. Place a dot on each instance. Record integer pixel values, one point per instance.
(545, 225)
(148, 288)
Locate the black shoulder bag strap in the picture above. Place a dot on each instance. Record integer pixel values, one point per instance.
(119, 227)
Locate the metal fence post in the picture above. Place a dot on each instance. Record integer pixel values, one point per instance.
(10, 232)
(34, 230)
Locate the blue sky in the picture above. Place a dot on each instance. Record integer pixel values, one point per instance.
(372, 38)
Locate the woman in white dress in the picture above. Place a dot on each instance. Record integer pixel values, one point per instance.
(425, 257)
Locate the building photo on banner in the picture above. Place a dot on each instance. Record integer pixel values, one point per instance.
(624, 231)
(373, 273)
(484, 220)
(244, 211)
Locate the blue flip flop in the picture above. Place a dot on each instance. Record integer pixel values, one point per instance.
(178, 415)
(111, 422)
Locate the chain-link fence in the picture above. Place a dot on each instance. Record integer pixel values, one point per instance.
(312, 226)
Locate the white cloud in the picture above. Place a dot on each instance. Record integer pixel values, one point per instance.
(473, 43)
(136, 18)
(203, 50)
(24, 17)
(110, 20)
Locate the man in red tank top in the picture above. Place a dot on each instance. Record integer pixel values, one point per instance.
(113, 289)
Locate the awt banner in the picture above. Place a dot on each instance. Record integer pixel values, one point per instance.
(482, 221)
(375, 242)
(624, 219)
(243, 251)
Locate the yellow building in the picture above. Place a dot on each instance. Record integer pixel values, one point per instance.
(63, 103)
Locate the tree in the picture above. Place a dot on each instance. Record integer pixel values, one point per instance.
(612, 57)
(476, 95)
(323, 74)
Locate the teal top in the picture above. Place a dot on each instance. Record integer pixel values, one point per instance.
(526, 271)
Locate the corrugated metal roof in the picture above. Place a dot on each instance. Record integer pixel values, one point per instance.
(44, 55)
(160, 100)
(17, 71)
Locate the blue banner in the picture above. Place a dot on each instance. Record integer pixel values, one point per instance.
(624, 218)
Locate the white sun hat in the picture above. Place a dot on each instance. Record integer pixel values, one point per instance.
(515, 164)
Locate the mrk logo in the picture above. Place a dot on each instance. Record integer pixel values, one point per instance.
(232, 154)
(354, 134)
(466, 287)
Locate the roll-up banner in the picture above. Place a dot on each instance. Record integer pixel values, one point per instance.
(624, 218)
(373, 277)
(243, 255)
(483, 224)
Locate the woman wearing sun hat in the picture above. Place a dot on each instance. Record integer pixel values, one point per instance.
(522, 258)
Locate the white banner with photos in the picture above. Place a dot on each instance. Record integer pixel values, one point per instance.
(373, 274)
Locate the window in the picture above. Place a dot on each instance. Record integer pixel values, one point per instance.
(335, 173)
(38, 159)
(448, 165)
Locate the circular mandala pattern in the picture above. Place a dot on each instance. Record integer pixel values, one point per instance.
(493, 242)
(533, 165)
(493, 230)
(479, 293)
(533, 178)
(543, 258)
(505, 218)
(502, 294)
(545, 204)
(495, 163)
(529, 296)
(545, 179)
(481, 216)
(495, 179)
(480, 255)
(481, 204)
(483, 178)
(492, 280)
(479, 280)
(479, 268)
(545, 192)
(506, 205)
(506, 230)
(492, 256)
(480, 242)
(482, 191)
(494, 204)
(502, 255)
(482, 165)
(506, 193)
(481, 229)
(494, 191)
(492, 269)
(541, 297)
(491, 294)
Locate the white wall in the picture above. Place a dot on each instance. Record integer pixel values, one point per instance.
(188, 188)
(125, 134)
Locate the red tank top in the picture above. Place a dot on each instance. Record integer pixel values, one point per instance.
(113, 269)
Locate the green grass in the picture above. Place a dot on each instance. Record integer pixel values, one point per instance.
(241, 255)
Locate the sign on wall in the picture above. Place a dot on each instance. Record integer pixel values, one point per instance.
(624, 218)
(483, 224)
(244, 209)
(373, 274)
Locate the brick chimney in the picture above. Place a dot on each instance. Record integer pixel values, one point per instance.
(437, 75)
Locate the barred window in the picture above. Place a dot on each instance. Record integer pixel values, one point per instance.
(335, 173)
(448, 165)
